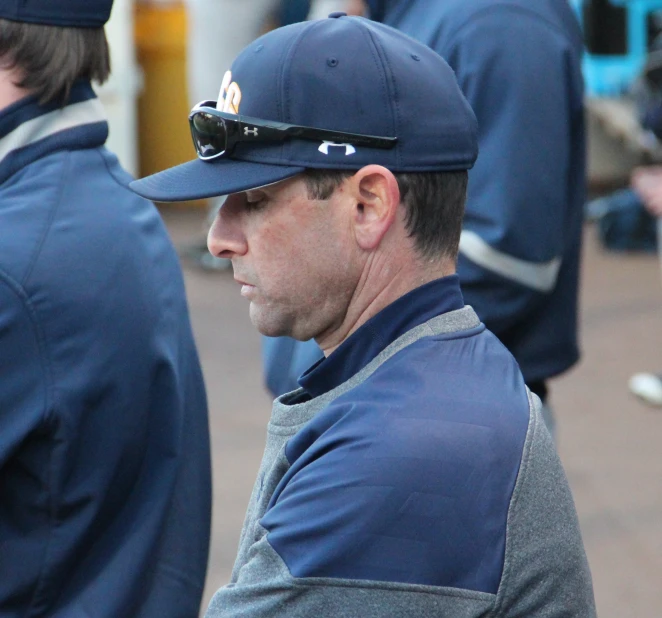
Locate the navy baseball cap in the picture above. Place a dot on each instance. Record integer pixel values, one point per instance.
(70, 13)
(346, 74)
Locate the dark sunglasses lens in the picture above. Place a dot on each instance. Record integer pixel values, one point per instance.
(209, 134)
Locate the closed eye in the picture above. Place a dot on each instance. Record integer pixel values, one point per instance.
(254, 201)
(255, 204)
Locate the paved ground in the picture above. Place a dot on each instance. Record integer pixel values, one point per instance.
(609, 442)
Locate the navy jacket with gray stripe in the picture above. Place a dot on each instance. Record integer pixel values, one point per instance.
(412, 475)
(518, 62)
(105, 489)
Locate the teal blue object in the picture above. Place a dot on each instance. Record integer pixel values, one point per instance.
(612, 75)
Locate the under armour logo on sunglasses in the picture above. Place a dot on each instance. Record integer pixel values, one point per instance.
(324, 148)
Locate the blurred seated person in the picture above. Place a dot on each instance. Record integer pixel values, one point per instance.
(629, 219)
(647, 184)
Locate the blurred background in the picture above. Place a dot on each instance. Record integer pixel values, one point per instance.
(609, 440)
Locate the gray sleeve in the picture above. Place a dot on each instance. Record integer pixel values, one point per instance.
(265, 589)
(546, 574)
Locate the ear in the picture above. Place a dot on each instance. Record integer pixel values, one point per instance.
(376, 195)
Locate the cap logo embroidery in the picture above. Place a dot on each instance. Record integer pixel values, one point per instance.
(324, 148)
(252, 131)
(229, 96)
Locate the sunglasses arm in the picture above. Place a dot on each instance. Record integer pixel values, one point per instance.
(279, 131)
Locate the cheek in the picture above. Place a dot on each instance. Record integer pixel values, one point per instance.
(324, 263)
(302, 257)
(273, 256)
(272, 245)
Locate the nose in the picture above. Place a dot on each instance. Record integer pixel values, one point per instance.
(226, 238)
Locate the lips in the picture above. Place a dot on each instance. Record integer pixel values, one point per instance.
(246, 288)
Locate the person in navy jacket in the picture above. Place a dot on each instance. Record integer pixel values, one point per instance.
(411, 474)
(104, 445)
(518, 62)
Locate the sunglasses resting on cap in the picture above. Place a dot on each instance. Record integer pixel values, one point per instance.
(216, 133)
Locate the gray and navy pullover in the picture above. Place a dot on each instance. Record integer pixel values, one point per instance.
(411, 475)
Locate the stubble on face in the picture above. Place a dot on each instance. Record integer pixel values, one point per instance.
(301, 262)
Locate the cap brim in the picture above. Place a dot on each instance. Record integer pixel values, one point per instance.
(200, 179)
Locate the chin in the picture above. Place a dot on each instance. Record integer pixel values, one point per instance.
(267, 325)
(272, 324)
(270, 332)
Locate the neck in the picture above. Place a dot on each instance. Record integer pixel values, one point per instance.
(383, 281)
(10, 93)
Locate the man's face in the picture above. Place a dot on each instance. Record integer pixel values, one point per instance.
(294, 257)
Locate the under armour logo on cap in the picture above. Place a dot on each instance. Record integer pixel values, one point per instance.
(324, 148)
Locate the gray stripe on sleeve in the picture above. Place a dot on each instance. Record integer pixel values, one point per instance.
(534, 275)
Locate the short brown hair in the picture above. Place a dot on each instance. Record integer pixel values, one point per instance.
(52, 58)
(434, 203)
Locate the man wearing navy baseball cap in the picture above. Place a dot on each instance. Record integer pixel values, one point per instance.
(105, 485)
(411, 473)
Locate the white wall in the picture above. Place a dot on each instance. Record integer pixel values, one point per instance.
(120, 92)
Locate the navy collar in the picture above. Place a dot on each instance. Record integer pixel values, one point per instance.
(416, 307)
(30, 130)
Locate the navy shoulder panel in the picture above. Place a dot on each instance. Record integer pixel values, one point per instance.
(408, 477)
